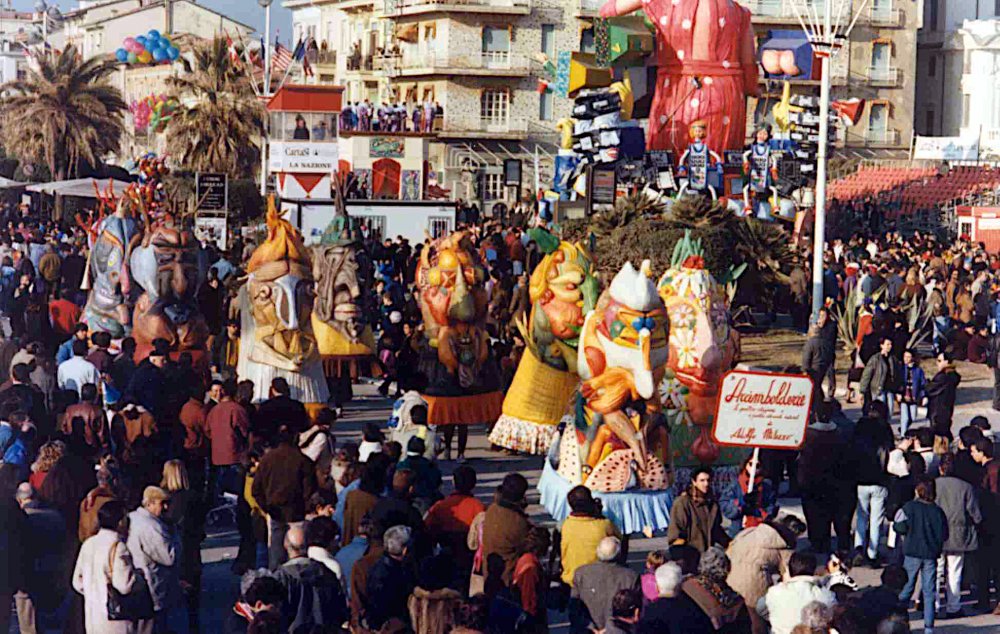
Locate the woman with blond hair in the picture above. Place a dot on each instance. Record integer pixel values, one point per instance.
(186, 513)
(48, 455)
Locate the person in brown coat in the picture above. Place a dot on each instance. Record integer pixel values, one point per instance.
(94, 421)
(97, 497)
(359, 578)
(757, 553)
(505, 528)
(362, 500)
(695, 518)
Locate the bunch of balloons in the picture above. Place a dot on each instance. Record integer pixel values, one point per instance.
(153, 112)
(151, 48)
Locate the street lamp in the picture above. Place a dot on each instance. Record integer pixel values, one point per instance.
(48, 10)
(266, 5)
(828, 33)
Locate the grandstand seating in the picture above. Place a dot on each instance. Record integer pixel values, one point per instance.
(915, 188)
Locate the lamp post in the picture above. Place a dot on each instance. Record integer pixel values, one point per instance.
(827, 33)
(266, 92)
(48, 10)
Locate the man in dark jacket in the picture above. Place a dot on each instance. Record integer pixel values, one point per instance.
(285, 479)
(505, 527)
(391, 581)
(941, 392)
(823, 484)
(694, 517)
(882, 375)
(926, 529)
(316, 601)
(280, 407)
(988, 555)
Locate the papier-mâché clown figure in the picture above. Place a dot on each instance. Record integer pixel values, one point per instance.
(703, 347)
(463, 379)
(696, 162)
(276, 304)
(618, 444)
(563, 289)
(760, 168)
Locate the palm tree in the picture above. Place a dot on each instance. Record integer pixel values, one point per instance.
(220, 120)
(63, 112)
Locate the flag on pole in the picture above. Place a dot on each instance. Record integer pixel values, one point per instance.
(234, 54)
(300, 56)
(282, 58)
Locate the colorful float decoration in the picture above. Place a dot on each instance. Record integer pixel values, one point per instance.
(170, 266)
(153, 112)
(112, 234)
(563, 289)
(703, 347)
(463, 379)
(343, 271)
(618, 443)
(150, 48)
(276, 305)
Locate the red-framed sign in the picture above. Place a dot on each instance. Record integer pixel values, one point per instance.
(762, 409)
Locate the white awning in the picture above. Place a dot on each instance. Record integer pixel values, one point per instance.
(81, 187)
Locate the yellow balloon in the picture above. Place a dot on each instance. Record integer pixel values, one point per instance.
(145, 57)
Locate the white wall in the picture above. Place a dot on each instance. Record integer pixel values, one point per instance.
(401, 218)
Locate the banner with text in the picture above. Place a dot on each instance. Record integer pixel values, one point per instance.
(763, 409)
(946, 148)
(303, 157)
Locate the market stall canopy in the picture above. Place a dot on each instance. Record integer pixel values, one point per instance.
(81, 187)
(7, 183)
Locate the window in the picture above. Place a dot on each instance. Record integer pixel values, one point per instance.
(878, 118)
(966, 107)
(929, 122)
(587, 41)
(549, 39)
(932, 65)
(496, 46)
(996, 8)
(494, 106)
(438, 226)
(493, 186)
(374, 224)
(933, 19)
(545, 103)
(881, 54)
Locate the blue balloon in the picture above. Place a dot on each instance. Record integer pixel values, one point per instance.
(159, 55)
(142, 40)
(153, 34)
(173, 53)
(121, 55)
(166, 43)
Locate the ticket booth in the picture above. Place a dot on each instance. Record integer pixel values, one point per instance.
(304, 139)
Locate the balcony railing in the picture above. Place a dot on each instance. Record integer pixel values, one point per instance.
(589, 7)
(360, 63)
(883, 75)
(882, 15)
(327, 58)
(391, 7)
(484, 125)
(881, 137)
(407, 64)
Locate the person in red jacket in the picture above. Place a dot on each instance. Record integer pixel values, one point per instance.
(227, 428)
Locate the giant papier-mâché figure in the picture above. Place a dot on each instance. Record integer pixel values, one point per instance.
(276, 304)
(703, 347)
(618, 445)
(111, 240)
(563, 289)
(170, 266)
(463, 380)
(706, 67)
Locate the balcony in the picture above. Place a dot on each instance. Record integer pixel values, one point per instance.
(776, 11)
(885, 16)
(480, 64)
(588, 8)
(360, 64)
(483, 128)
(399, 8)
(885, 76)
(323, 58)
(875, 138)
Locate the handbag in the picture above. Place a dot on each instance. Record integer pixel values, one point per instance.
(134, 606)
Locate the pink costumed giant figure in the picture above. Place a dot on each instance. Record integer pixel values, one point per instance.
(711, 40)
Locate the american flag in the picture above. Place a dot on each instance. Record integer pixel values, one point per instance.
(282, 58)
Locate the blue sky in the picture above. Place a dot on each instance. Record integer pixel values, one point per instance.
(247, 11)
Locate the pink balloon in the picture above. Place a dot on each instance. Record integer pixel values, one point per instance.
(128, 43)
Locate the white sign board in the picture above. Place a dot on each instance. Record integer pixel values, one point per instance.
(763, 409)
(946, 148)
(303, 157)
(211, 229)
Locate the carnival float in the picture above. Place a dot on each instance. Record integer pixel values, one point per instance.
(463, 380)
(276, 304)
(563, 289)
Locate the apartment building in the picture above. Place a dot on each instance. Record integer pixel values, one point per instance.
(958, 65)
(878, 65)
(476, 58)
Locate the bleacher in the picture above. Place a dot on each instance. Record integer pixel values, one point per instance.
(915, 188)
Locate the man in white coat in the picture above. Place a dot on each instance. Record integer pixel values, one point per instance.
(156, 550)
